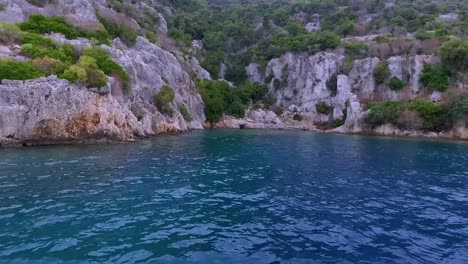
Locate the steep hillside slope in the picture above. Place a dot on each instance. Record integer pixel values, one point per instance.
(53, 110)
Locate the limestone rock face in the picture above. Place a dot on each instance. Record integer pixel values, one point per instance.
(50, 110)
(300, 81)
(150, 67)
(78, 12)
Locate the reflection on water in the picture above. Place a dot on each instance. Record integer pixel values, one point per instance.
(237, 197)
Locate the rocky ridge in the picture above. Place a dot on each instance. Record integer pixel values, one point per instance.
(51, 110)
(300, 81)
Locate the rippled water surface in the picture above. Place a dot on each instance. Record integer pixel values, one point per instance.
(237, 197)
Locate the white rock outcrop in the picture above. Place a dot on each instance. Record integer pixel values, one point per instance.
(50, 110)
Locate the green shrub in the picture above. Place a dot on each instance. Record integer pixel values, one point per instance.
(356, 49)
(337, 122)
(459, 108)
(164, 98)
(298, 117)
(49, 65)
(9, 33)
(219, 99)
(251, 92)
(434, 79)
(347, 65)
(269, 100)
(41, 3)
(75, 74)
(127, 35)
(37, 46)
(185, 113)
(381, 72)
(18, 70)
(323, 108)
(95, 76)
(454, 55)
(107, 65)
(383, 113)
(37, 40)
(235, 109)
(41, 25)
(85, 72)
(434, 116)
(396, 84)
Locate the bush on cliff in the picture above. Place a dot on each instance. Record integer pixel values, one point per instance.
(219, 99)
(381, 72)
(396, 84)
(41, 25)
(75, 74)
(127, 35)
(49, 66)
(108, 66)
(185, 113)
(381, 113)
(459, 108)
(323, 108)
(18, 70)
(454, 55)
(164, 98)
(434, 79)
(251, 92)
(35, 46)
(85, 72)
(435, 117)
(9, 33)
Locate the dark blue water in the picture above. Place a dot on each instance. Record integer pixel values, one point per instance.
(237, 197)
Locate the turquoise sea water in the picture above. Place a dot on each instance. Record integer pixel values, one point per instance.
(237, 197)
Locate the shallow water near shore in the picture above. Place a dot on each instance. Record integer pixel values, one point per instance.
(237, 196)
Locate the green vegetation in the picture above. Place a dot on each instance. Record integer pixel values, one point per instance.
(18, 70)
(41, 3)
(458, 109)
(381, 72)
(127, 35)
(185, 113)
(85, 72)
(383, 113)
(434, 78)
(323, 108)
(261, 30)
(37, 46)
(109, 66)
(220, 98)
(434, 117)
(164, 98)
(298, 117)
(40, 24)
(454, 55)
(9, 33)
(89, 69)
(396, 84)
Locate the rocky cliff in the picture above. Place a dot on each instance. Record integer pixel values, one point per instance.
(50, 110)
(299, 82)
